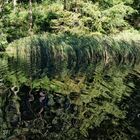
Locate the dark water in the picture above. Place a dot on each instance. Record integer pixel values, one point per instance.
(41, 102)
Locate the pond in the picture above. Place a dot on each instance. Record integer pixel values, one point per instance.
(42, 97)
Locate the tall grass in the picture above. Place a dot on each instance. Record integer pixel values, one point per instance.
(63, 53)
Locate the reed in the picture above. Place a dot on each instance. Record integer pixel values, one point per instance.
(73, 53)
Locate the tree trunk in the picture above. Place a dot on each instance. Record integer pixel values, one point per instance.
(30, 16)
(1, 8)
(65, 4)
(14, 4)
(1, 5)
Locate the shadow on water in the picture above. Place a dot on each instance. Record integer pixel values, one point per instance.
(69, 92)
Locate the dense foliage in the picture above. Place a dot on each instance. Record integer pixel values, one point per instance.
(102, 16)
(70, 70)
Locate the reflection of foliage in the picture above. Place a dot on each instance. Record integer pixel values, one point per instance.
(63, 54)
(84, 83)
(129, 127)
(91, 109)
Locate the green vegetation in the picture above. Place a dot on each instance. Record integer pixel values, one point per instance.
(107, 17)
(66, 54)
(77, 107)
(84, 100)
(69, 70)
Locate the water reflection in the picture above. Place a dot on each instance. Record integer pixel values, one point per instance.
(101, 102)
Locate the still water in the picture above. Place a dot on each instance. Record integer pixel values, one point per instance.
(40, 100)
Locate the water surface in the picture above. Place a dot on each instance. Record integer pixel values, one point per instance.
(84, 100)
